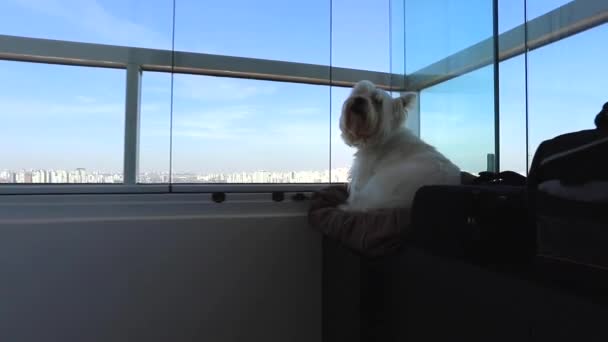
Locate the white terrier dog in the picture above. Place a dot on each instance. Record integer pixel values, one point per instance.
(391, 163)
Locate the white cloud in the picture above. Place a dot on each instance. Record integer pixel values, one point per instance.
(247, 123)
(219, 89)
(91, 16)
(154, 107)
(212, 89)
(302, 133)
(221, 124)
(29, 108)
(306, 111)
(214, 134)
(85, 99)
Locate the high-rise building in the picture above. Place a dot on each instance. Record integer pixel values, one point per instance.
(38, 176)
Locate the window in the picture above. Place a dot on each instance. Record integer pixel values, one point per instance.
(341, 154)
(60, 126)
(513, 115)
(245, 131)
(457, 117)
(435, 29)
(566, 85)
(512, 85)
(66, 124)
(155, 128)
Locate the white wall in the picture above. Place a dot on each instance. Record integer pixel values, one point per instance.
(157, 268)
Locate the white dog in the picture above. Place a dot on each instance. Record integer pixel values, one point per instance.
(391, 163)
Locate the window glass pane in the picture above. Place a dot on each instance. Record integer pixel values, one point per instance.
(361, 37)
(566, 85)
(141, 23)
(59, 126)
(512, 85)
(513, 115)
(457, 117)
(435, 29)
(341, 154)
(245, 131)
(296, 31)
(155, 128)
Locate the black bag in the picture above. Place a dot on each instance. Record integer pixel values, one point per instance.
(488, 224)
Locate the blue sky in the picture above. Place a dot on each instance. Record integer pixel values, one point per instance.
(68, 117)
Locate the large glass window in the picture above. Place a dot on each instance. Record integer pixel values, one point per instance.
(566, 85)
(341, 154)
(245, 131)
(552, 72)
(59, 127)
(66, 124)
(513, 115)
(457, 117)
(155, 128)
(512, 96)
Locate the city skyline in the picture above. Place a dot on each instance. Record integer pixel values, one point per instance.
(83, 176)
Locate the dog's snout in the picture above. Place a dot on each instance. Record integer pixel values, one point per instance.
(359, 105)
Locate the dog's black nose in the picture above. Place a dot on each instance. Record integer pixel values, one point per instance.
(359, 105)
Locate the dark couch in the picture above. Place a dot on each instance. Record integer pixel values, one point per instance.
(425, 294)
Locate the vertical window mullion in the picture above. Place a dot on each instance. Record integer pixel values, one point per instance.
(132, 122)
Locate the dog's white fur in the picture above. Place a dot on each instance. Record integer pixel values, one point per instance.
(391, 163)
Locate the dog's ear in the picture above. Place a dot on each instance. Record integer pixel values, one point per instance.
(403, 104)
(407, 100)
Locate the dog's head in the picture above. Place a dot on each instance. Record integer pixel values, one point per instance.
(370, 115)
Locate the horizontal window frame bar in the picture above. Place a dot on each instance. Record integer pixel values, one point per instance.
(250, 188)
(82, 189)
(49, 51)
(159, 188)
(45, 209)
(83, 199)
(560, 23)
